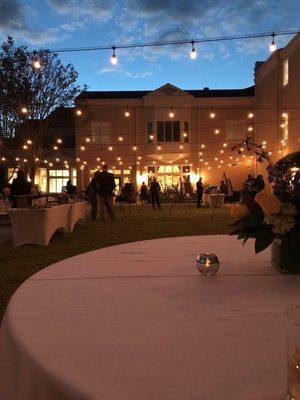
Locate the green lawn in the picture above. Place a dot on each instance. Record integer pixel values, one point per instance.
(19, 263)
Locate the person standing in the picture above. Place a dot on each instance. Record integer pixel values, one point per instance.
(199, 192)
(143, 193)
(92, 194)
(106, 185)
(154, 191)
(19, 187)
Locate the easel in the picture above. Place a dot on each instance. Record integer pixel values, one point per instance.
(229, 193)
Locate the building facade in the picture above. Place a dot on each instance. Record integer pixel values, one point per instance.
(173, 133)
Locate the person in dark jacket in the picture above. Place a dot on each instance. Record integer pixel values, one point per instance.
(19, 187)
(154, 191)
(92, 193)
(106, 185)
(199, 192)
(71, 189)
(144, 192)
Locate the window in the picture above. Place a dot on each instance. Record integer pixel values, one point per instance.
(168, 131)
(57, 179)
(186, 132)
(151, 170)
(285, 72)
(235, 130)
(150, 132)
(101, 132)
(74, 177)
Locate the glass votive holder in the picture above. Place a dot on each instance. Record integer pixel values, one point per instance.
(208, 263)
(293, 353)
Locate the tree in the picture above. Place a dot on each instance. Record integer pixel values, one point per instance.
(32, 85)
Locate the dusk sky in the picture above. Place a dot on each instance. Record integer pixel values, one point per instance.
(71, 23)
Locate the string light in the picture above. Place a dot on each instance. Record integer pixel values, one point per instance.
(59, 141)
(110, 148)
(134, 148)
(79, 113)
(272, 46)
(36, 64)
(217, 131)
(113, 58)
(171, 113)
(127, 113)
(87, 140)
(193, 53)
(120, 138)
(55, 148)
(212, 114)
(251, 114)
(24, 110)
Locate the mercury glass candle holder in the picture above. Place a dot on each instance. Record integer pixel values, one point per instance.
(293, 353)
(208, 263)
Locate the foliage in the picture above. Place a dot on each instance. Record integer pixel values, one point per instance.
(27, 96)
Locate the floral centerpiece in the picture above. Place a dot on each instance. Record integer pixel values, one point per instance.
(272, 218)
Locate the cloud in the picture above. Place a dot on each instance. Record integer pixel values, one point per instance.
(99, 10)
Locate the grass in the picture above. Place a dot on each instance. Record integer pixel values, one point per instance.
(18, 263)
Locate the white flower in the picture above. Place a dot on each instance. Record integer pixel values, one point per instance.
(281, 223)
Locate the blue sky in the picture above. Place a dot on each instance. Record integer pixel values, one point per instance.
(72, 23)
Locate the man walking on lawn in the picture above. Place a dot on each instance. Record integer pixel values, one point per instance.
(106, 182)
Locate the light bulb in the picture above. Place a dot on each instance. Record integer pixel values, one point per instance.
(36, 64)
(78, 113)
(212, 115)
(171, 113)
(24, 110)
(193, 53)
(113, 58)
(272, 46)
(250, 115)
(127, 113)
(217, 131)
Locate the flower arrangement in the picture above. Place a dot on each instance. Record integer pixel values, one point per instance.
(272, 216)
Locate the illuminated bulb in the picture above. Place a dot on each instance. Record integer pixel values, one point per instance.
(212, 115)
(59, 141)
(120, 163)
(208, 167)
(57, 159)
(269, 153)
(206, 162)
(264, 142)
(65, 161)
(3, 158)
(55, 147)
(87, 140)
(185, 161)
(17, 159)
(120, 138)
(224, 144)
(282, 125)
(216, 158)
(185, 134)
(154, 162)
(127, 113)
(77, 159)
(250, 128)
(151, 137)
(36, 64)
(78, 113)
(181, 147)
(217, 131)
(29, 141)
(113, 58)
(284, 115)
(159, 156)
(221, 151)
(98, 158)
(272, 46)
(200, 153)
(37, 159)
(25, 160)
(134, 148)
(158, 147)
(110, 148)
(193, 53)
(171, 113)
(138, 163)
(84, 162)
(202, 146)
(201, 159)
(50, 165)
(219, 166)
(250, 115)
(45, 161)
(24, 110)
(119, 158)
(82, 148)
(25, 147)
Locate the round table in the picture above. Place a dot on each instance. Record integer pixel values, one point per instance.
(138, 322)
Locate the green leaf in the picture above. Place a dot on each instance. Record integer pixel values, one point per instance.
(263, 239)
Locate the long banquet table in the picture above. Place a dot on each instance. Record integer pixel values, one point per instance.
(138, 322)
(37, 225)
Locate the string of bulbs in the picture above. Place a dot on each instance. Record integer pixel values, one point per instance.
(192, 42)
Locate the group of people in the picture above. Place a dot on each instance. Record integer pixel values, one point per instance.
(101, 187)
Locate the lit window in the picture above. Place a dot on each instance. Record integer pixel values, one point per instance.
(285, 72)
(285, 127)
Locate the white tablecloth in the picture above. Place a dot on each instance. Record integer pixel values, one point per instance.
(138, 322)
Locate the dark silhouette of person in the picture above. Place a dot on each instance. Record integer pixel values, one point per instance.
(71, 189)
(92, 193)
(106, 185)
(144, 192)
(154, 191)
(200, 189)
(19, 187)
